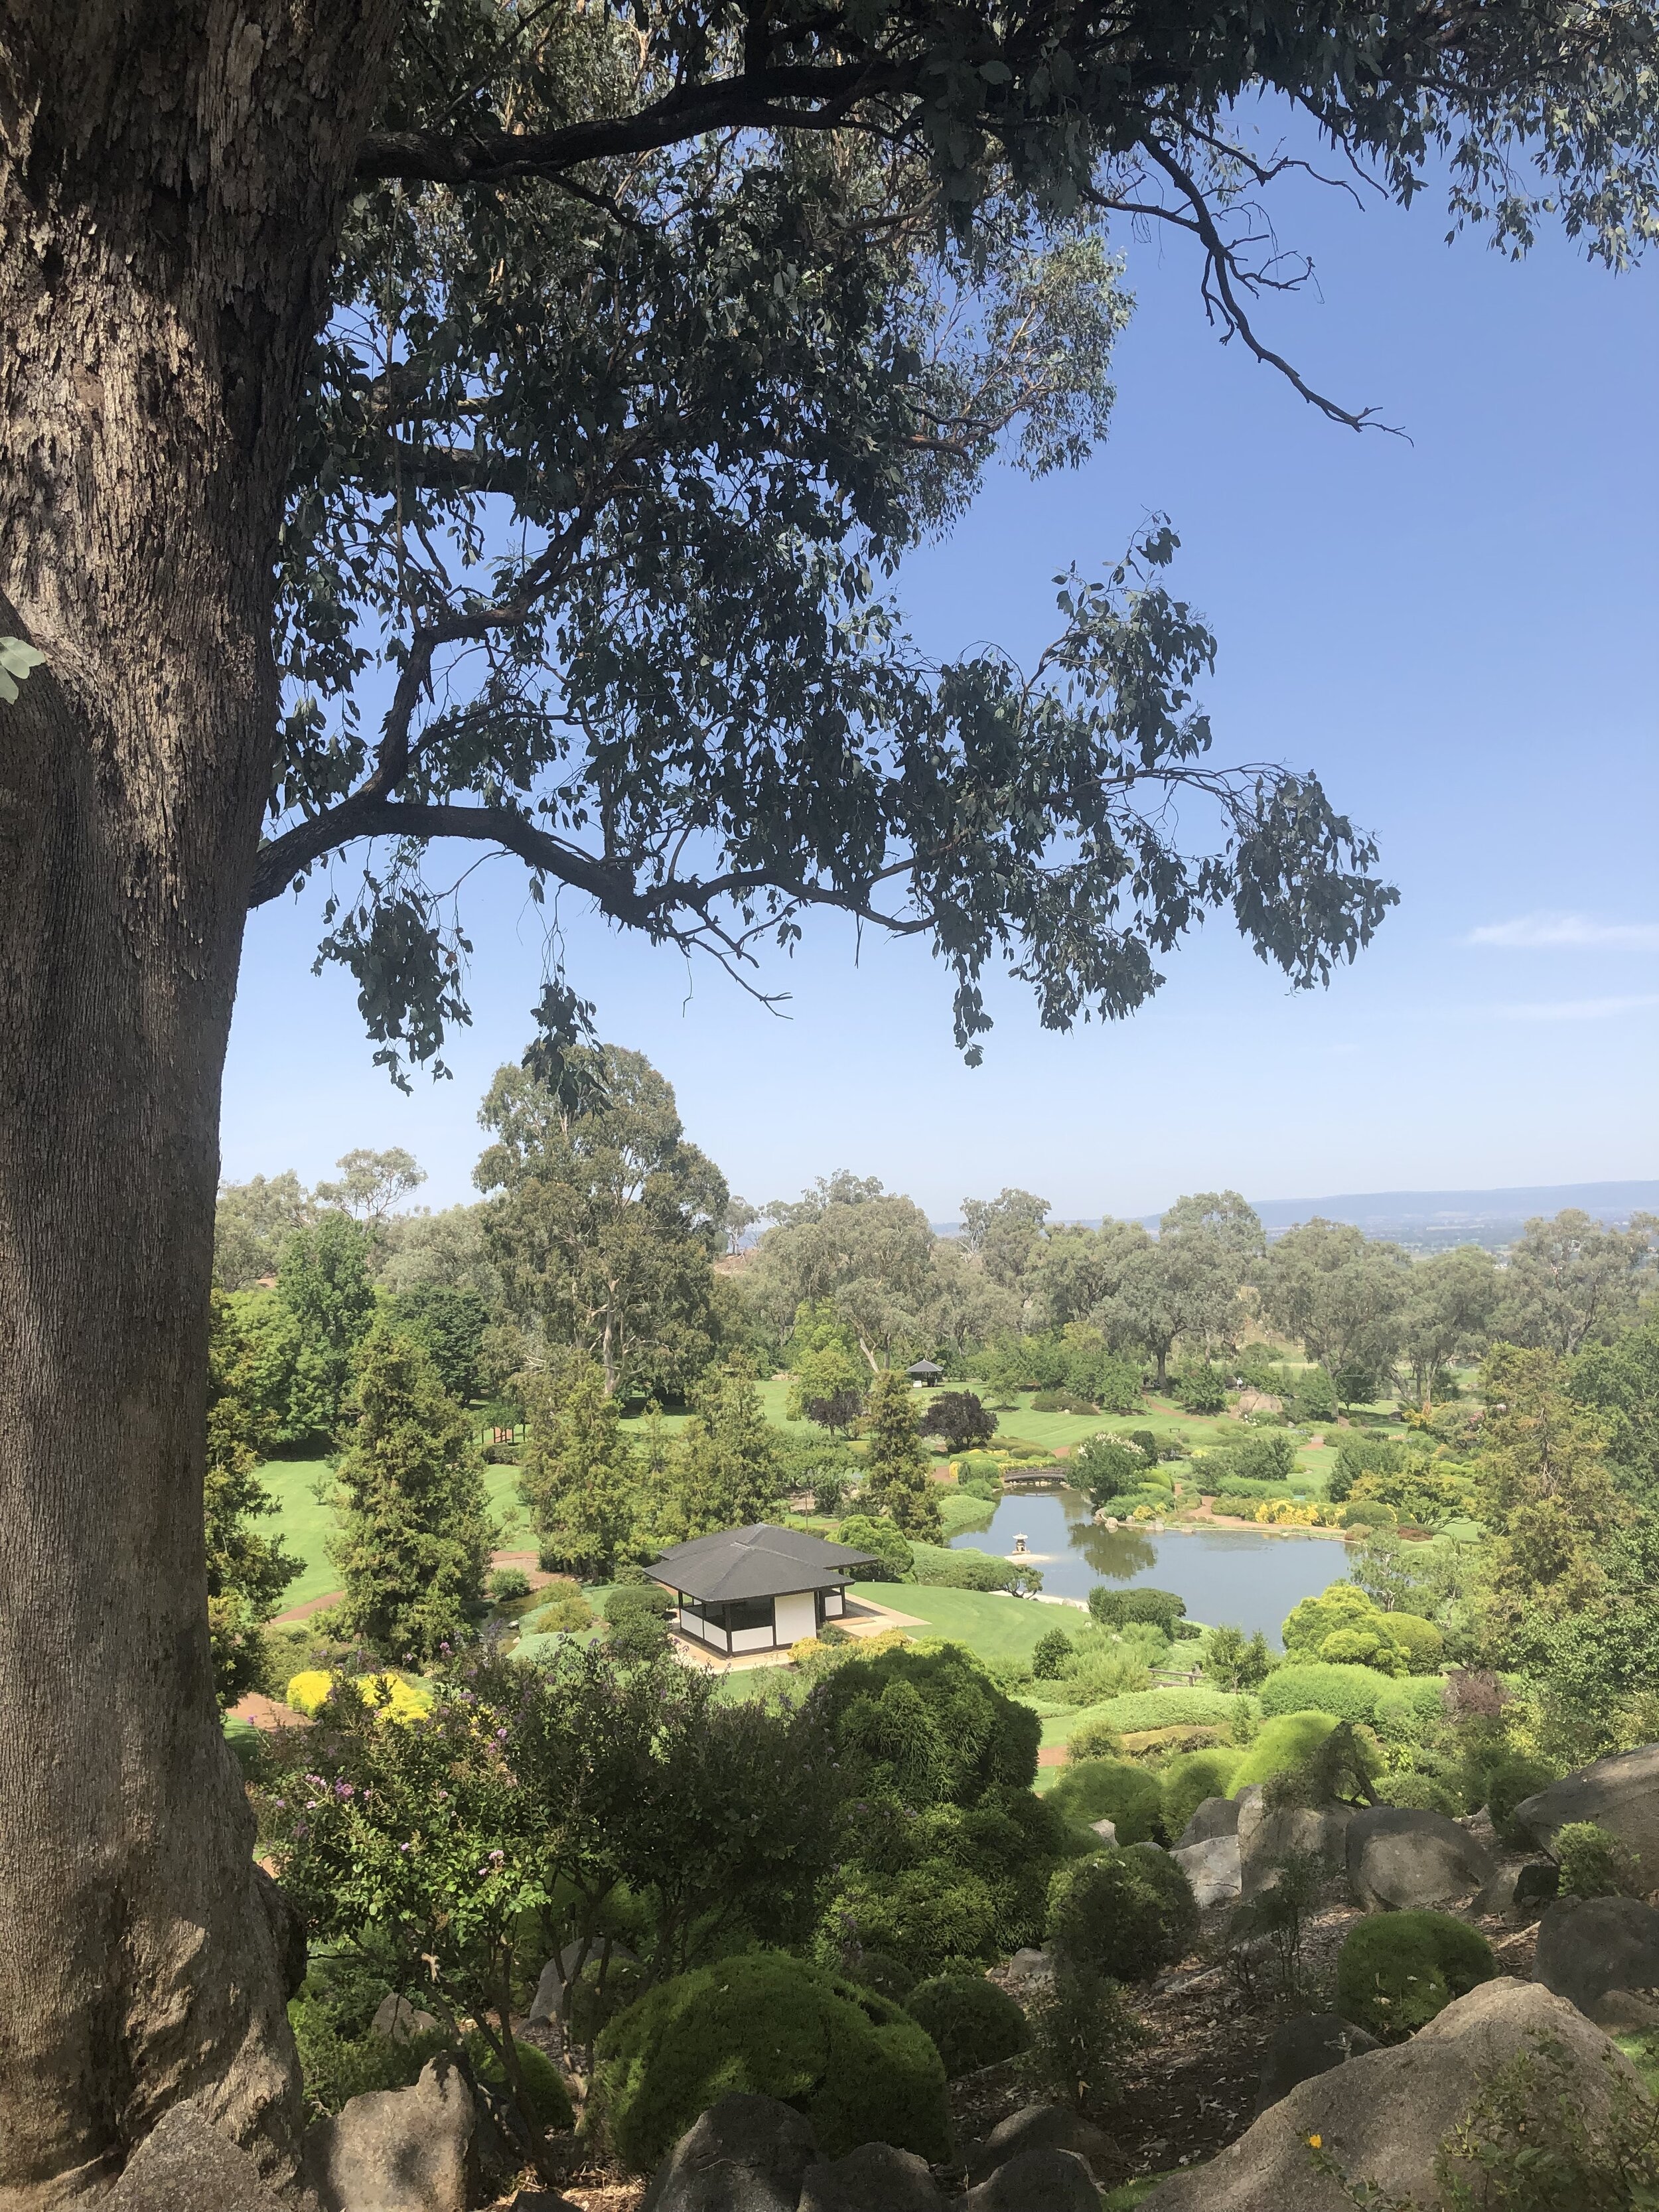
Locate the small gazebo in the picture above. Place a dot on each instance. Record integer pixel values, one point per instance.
(925, 1371)
(759, 1589)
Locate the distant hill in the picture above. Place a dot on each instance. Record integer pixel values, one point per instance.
(1432, 1220)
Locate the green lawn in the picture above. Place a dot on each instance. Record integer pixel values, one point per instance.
(305, 1526)
(995, 1626)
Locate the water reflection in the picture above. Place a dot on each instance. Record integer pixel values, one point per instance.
(1223, 1574)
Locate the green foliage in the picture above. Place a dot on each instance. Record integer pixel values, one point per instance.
(1396, 1970)
(827, 1382)
(1106, 1467)
(934, 1917)
(1123, 1608)
(726, 1471)
(508, 1582)
(1510, 1784)
(451, 1324)
(1154, 1709)
(966, 1569)
(1096, 1738)
(336, 2065)
(605, 1222)
(1123, 1913)
(1529, 2144)
(1285, 1746)
(862, 1532)
(927, 1726)
(246, 1572)
(578, 1479)
(1090, 1790)
(1201, 1387)
(1082, 2036)
(1051, 1654)
(1351, 1693)
(1236, 1662)
(324, 1290)
(1596, 1863)
(563, 1610)
(858, 2067)
(636, 1615)
(1192, 1776)
(1267, 1934)
(414, 1533)
(1259, 1455)
(541, 2093)
(1343, 1627)
(972, 2022)
(897, 1484)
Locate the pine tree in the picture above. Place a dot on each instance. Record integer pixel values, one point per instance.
(246, 1572)
(415, 1535)
(726, 1472)
(898, 1484)
(579, 1480)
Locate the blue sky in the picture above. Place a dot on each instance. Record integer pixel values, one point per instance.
(1457, 629)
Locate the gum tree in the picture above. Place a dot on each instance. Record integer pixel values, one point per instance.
(490, 427)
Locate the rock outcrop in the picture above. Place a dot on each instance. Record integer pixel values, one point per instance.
(1036, 2181)
(1594, 1950)
(746, 2154)
(1213, 1867)
(1382, 2117)
(874, 2178)
(1037, 2127)
(1267, 1838)
(1214, 1816)
(1303, 2048)
(396, 2150)
(1620, 1794)
(185, 2164)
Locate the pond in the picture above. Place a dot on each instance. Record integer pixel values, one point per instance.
(1223, 1574)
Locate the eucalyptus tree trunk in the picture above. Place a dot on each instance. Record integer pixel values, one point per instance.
(170, 183)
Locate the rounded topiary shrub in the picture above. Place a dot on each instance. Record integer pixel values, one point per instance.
(1426, 1647)
(1398, 1970)
(973, 2023)
(928, 1917)
(1319, 1685)
(1285, 1747)
(1192, 1777)
(858, 2068)
(1090, 1790)
(1124, 1913)
(1510, 1784)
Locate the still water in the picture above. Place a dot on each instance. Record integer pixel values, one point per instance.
(1223, 1574)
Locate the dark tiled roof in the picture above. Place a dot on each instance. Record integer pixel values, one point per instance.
(761, 1561)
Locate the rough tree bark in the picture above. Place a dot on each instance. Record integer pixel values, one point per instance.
(171, 178)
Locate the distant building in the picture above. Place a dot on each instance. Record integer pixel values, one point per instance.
(759, 1589)
(925, 1371)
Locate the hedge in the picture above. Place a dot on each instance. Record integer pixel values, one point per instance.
(858, 2068)
(1093, 1789)
(1315, 1686)
(1154, 1709)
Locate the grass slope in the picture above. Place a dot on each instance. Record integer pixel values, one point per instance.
(304, 1525)
(988, 1623)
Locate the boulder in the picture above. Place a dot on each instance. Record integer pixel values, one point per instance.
(1267, 1838)
(1620, 1794)
(1029, 1972)
(1036, 2181)
(1215, 1816)
(1037, 2127)
(185, 2164)
(1496, 1896)
(1213, 1869)
(398, 2020)
(396, 2150)
(1590, 1948)
(548, 2004)
(874, 2178)
(1382, 2117)
(1106, 1830)
(746, 2154)
(1302, 2048)
(1540, 1883)
(1401, 1859)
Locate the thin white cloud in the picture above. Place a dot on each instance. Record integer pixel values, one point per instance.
(1576, 1010)
(1533, 933)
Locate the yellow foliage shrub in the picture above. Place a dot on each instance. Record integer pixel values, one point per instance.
(404, 1700)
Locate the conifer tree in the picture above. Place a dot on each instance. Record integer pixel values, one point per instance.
(246, 1572)
(579, 1480)
(415, 1535)
(898, 1484)
(727, 1474)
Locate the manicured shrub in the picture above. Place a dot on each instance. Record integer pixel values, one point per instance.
(508, 1582)
(1190, 1779)
(1398, 1970)
(1096, 1738)
(858, 2068)
(1284, 1746)
(880, 1972)
(636, 1614)
(866, 1532)
(1508, 1784)
(1596, 1863)
(1317, 1686)
(544, 2091)
(566, 1613)
(1092, 1790)
(1124, 1912)
(1052, 1655)
(929, 1726)
(973, 2023)
(1128, 1608)
(1152, 1709)
(933, 1917)
(1422, 1793)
